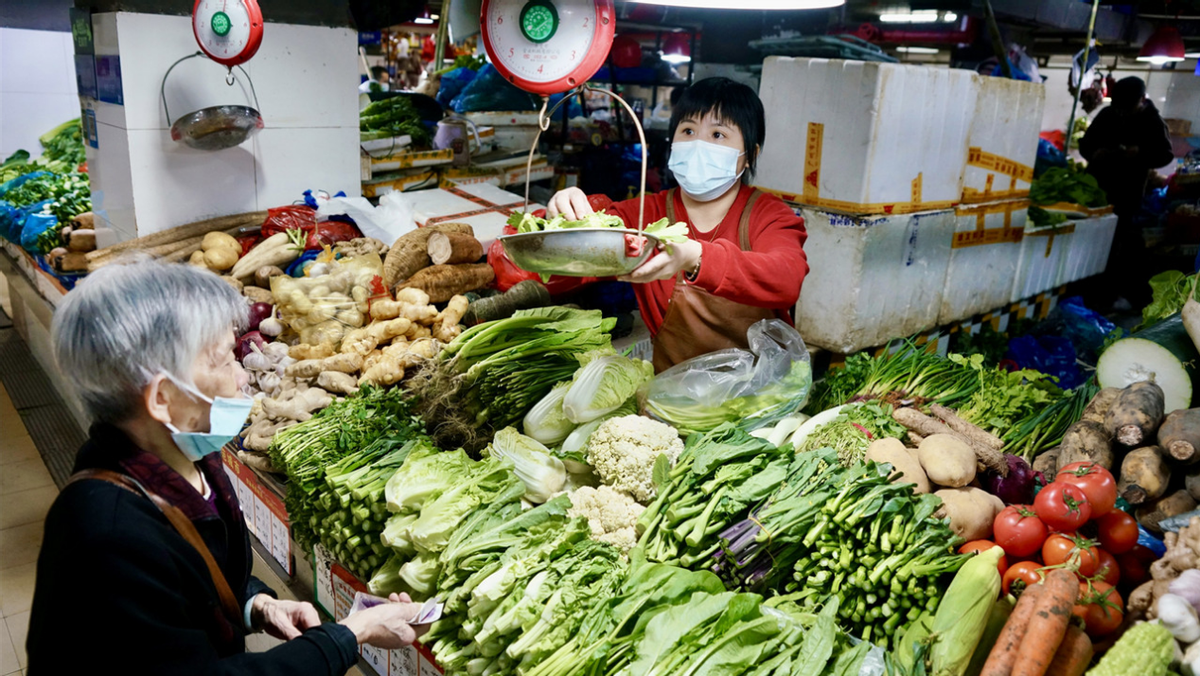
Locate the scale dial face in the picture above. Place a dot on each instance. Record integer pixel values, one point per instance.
(228, 31)
(547, 46)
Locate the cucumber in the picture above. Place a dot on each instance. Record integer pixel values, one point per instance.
(1163, 353)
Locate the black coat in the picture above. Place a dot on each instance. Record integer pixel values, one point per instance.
(119, 590)
(1123, 178)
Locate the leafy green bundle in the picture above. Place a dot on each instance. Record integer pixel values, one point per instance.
(664, 231)
(853, 430)
(1072, 185)
(395, 116)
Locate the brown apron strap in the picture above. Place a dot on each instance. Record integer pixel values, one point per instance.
(182, 525)
(744, 225)
(671, 206)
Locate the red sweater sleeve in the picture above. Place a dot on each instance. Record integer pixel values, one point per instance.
(768, 276)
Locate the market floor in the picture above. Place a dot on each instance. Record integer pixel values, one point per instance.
(26, 491)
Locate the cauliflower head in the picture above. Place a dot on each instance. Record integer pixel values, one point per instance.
(623, 450)
(611, 514)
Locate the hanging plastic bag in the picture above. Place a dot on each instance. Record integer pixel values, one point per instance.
(751, 388)
(453, 83)
(290, 217)
(490, 91)
(36, 223)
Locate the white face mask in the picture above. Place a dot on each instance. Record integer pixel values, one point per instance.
(226, 417)
(704, 170)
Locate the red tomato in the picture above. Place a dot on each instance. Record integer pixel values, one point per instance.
(1118, 531)
(1135, 565)
(1100, 607)
(1062, 507)
(1075, 552)
(1107, 568)
(1022, 575)
(1019, 531)
(1096, 483)
(983, 546)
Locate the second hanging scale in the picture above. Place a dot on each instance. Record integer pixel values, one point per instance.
(550, 47)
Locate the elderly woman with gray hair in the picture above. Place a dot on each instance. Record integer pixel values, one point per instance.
(145, 563)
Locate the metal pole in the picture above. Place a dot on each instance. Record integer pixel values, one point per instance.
(997, 40)
(1087, 50)
(439, 50)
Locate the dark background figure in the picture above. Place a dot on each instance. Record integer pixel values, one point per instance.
(1123, 145)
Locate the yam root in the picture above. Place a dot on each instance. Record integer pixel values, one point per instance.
(72, 261)
(84, 221)
(446, 324)
(443, 282)
(1097, 408)
(1150, 514)
(1047, 462)
(1087, 441)
(1136, 414)
(925, 426)
(182, 232)
(410, 253)
(304, 351)
(333, 381)
(82, 239)
(1144, 475)
(1192, 484)
(524, 295)
(1179, 435)
(975, 434)
(453, 248)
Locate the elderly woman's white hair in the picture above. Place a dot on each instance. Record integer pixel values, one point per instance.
(136, 318)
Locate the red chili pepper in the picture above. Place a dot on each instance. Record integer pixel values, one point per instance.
(864, 431)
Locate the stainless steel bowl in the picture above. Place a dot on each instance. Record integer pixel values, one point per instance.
(217, 127)
(577, 252)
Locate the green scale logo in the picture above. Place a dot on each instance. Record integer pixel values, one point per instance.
(539, 21)
(221, 24)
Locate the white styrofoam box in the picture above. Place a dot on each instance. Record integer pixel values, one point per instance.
(1092, 243)
(487, 205)
(872, 278)
(503, 118)
(985, 253)
(1003, 140)
(1043, 260)
(37, 86)
(174, 184)
(290, 161)
(864, 137)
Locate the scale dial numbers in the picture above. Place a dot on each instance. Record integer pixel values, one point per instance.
(547, 46)
(228, 31)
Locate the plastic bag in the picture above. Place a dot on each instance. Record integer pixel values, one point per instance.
(490, 91)
(1085, 328)
(35, 224)
(1052, 355)
(752, 388)
(392, 218)
(291, 217)
(334, 299)
(453, 83)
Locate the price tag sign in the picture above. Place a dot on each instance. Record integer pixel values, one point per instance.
(403, 662)
(376, 658)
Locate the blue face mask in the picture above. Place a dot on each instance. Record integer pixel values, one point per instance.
(226, 417)
(704, 170)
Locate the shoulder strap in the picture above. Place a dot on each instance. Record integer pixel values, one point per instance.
(744, 225)
(671, 206)
(182, 525)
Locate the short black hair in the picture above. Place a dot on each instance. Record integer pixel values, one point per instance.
(1128, 92)
(730, 101)
(376, 71)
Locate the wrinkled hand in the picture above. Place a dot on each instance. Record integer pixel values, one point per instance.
(663, 265)
(283, 619)
(386, 626)
(571, 203)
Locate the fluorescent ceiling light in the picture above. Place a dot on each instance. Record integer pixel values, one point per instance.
(1159, 60)
(676, 59)
(422, 20)
(919, 16)
(1192, 55)
(748, 4)
(917, 50)
(435, 17)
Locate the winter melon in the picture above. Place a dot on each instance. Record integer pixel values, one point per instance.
(1163, 353)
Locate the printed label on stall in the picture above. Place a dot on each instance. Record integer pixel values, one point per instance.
(265, 514)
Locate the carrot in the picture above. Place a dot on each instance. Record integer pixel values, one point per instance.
(454, 248)
(1048, 624)
(1004, 653)
(1073, 655)
(410, 253)
(443, 282)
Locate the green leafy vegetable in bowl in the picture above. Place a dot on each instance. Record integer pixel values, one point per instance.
(670, 233)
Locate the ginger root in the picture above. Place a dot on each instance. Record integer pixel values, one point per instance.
(360, 342)
(335, 381)
(1182, 549)
(342, 363)
(445, 325)
(391, 309)
(385, 331)
(305, 351)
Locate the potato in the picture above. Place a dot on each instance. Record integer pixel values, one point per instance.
(971, 511)
(220, 260)
(219, 240)
(907, 468)
(197, 259)
(1046, 462)
(947, 460)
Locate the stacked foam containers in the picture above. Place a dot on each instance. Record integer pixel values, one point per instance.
(871, 154)
(991, 264)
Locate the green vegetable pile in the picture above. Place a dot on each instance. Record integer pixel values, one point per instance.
(63, 147)
(394, 116)
(1072, 185)
(526, 222)
(846, 533)
(1171, 290)
(70, 195)
(853, 430)
(1041, 218)
(494, 373)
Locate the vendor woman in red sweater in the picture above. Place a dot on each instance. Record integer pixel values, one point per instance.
(745, 259)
